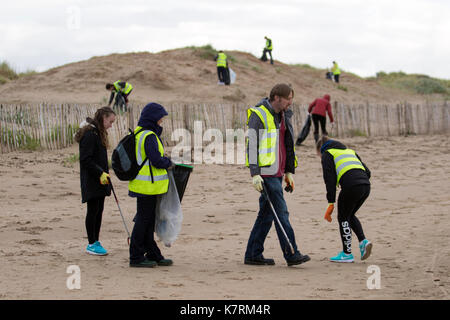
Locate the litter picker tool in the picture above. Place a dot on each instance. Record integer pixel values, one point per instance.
(264, 192)
(120, 210)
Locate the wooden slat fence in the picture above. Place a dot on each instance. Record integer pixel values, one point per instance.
(52, 126)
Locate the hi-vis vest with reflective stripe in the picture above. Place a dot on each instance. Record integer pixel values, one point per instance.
(336, 69)
(126, 90)
(269, 45)
(142, 184)
(268, 142)
(221, 60)
(345, 160)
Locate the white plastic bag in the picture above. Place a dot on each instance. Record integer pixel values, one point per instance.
(232, 76)
(168, 214)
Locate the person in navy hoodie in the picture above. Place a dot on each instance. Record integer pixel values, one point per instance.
(151, 181)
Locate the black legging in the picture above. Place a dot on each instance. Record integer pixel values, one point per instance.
(349, 201)
(94, 218)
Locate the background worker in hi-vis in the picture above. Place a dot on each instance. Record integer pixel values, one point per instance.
(342, 166)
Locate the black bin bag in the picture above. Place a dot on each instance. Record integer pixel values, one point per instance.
(181, 173)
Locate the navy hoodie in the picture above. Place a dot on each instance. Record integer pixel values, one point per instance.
(150, 115)
(350, 178)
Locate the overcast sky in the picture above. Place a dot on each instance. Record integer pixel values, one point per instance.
(364, 37)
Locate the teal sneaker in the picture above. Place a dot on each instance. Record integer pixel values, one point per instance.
(96, 249)
(365, 247)
(342, 257)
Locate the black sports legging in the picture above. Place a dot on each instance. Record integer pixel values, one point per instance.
(349, 202)
(94, 218)
(316, 118)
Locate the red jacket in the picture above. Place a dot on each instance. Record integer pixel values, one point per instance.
(321, 107)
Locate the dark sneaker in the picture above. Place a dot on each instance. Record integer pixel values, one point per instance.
(261, 261)
(144, 264)
(165, 262)
(298, 260)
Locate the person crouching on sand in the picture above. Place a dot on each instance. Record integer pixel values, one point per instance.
(343, 166)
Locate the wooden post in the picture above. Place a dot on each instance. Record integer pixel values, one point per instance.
(336, 117)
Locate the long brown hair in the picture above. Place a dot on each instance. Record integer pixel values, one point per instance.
(99, 116)
(321, 142)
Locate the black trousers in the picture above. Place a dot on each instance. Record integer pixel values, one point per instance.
(270, 53)
(223, 75)
(94, 218)
(142, 242)
(336, 78)
(316, 118)
(349, 202)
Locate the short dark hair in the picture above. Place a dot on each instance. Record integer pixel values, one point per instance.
(109, 86)
(281, 90)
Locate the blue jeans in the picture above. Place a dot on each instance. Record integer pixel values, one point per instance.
(263, 223)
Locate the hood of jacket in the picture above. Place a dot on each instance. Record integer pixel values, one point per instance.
(150, 116)
(332, 144)
(327, 97)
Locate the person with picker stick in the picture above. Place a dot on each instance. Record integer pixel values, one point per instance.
(93, 139)
(270, 156)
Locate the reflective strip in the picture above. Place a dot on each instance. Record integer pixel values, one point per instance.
(345, 164)
(264, 151)
(343, 156)
(149, 178)
(139, 153)
(264, 115)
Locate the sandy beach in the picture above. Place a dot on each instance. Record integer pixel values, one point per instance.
(407, 217)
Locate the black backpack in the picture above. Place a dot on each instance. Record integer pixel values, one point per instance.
(123, 159)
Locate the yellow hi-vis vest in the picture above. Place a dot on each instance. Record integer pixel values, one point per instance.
(345, 160)
(126, 90)
(269, 45)
(143, 184)
(222, 60)
(336, 69)
(268, 142)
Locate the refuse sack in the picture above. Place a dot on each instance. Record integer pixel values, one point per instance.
(168, 214)
(232, 76)
(264, 56)
(181, 173)
(305, 131)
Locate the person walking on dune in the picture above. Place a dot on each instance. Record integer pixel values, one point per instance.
(336, 71)
(270, 157)
(342, 166)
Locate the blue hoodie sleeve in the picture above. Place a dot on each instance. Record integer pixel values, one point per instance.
(152, 152)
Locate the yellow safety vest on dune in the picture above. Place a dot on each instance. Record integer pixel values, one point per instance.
(222, 60)
(336, 69)
(345, 160)
(269, 45)
(268, 142)
(143, 184)
(126, 90)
